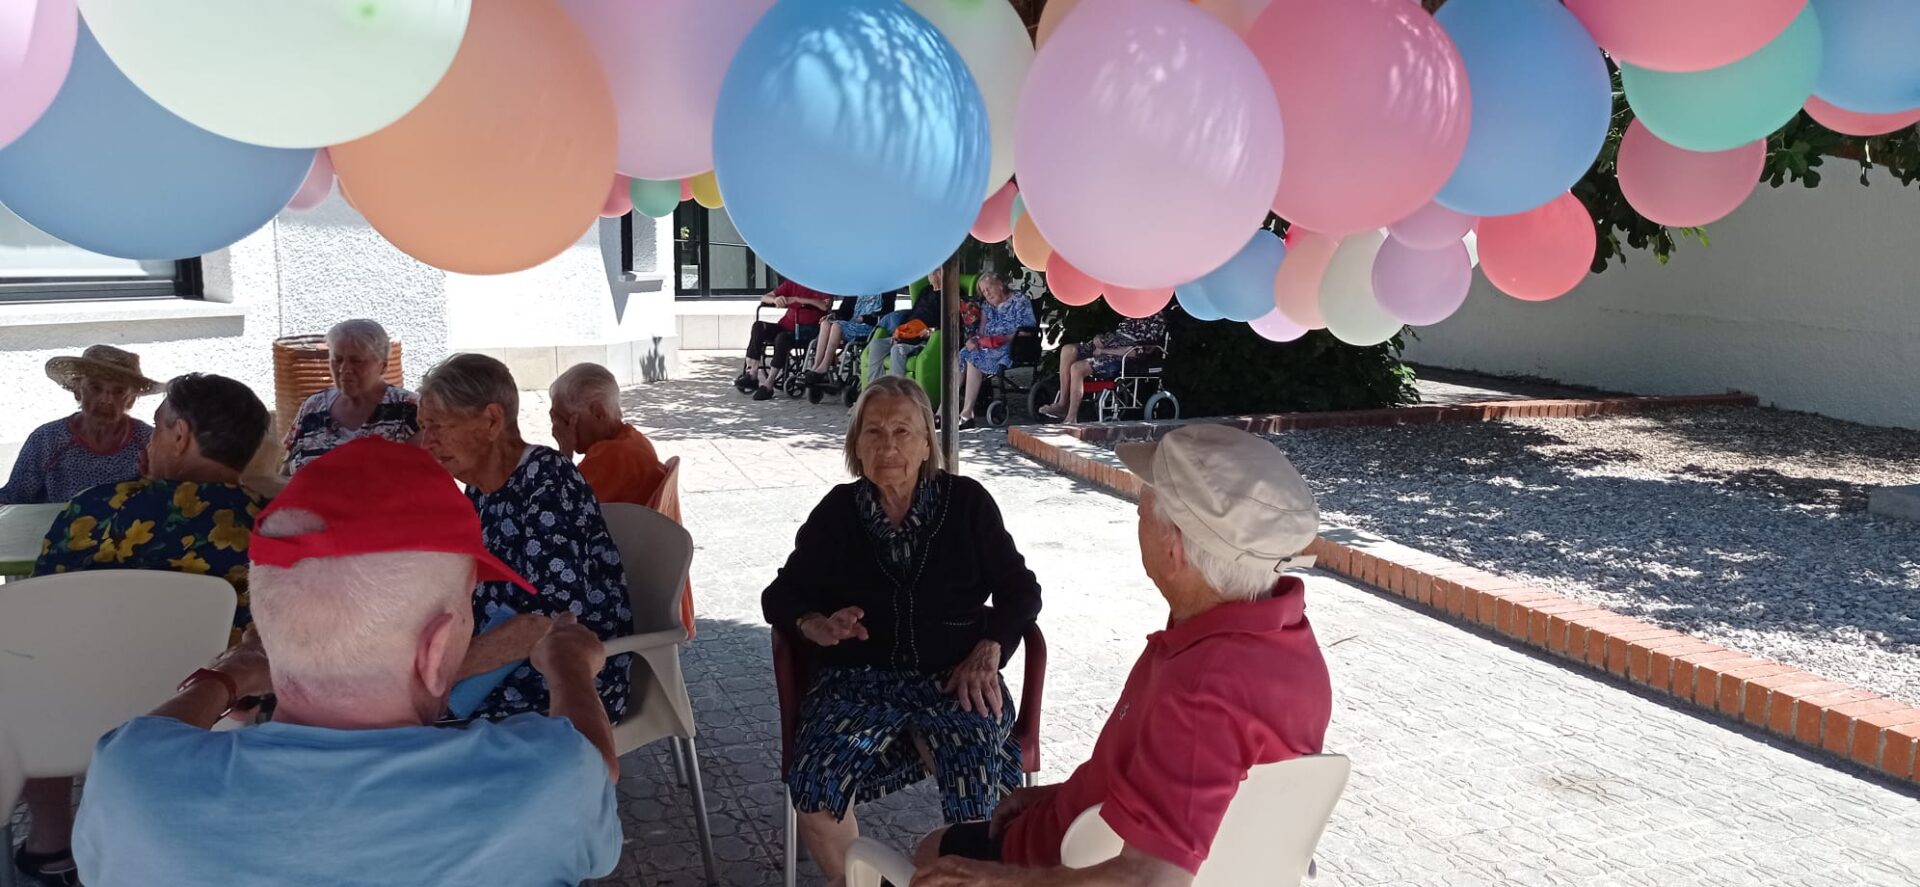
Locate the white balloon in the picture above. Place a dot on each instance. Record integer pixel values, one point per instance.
(993, 40)
(282, 73)
(1346, 293)
(1472, 240)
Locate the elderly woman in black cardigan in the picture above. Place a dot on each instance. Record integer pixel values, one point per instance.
(888, 586)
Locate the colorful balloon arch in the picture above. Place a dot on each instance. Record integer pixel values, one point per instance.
(1136, 146)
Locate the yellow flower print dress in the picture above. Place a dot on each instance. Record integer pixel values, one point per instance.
(200, 528)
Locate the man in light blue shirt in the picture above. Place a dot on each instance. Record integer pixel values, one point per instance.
(363, 571)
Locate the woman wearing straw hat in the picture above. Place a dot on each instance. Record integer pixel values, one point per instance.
(99, 444)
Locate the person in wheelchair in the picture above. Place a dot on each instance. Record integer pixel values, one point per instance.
(903, 333)
(990, 332)
(1101, 359)
(805, 307)
(850, 332)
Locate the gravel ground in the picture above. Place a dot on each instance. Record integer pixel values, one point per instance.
(1744, 526)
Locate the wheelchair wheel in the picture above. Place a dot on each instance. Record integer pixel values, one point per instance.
(850, 392)
(997, 414)
(1162, 407)
(796, 385)
(1042, 394)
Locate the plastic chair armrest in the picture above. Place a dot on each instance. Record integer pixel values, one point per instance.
(1026, 727)
(869, 860)
(646, 643)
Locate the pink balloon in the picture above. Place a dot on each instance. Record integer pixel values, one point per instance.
(1539, 254)
(36, 48)
(995, 223)
(1431, 227)
(1684, 35)
(665, 60)
(1296, 288)
(1854, 123)
(1071, 285)
(317, 187)
(1686, 189)
(686, 190)
(1147, 110)
(619, 198)
(1421, 286)
(1275, 327)
(1376, 104)
(1138, 303)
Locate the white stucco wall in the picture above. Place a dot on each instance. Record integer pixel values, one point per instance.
(1808, 298)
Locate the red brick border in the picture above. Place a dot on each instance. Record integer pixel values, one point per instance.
(1820, 714)
(1490, 411)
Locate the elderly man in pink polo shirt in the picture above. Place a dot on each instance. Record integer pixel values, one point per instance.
(1235, 680)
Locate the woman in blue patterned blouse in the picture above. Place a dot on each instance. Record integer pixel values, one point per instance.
(99, 444)
(990, 342)
(539, 516)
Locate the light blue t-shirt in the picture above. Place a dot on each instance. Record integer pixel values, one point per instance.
(525, 801)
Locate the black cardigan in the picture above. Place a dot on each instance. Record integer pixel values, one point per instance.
(965, 557)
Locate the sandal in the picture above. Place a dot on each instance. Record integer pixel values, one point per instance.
(1057, 414)
(53, 869)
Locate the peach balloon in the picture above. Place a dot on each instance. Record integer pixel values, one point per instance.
(506, 163)
(1539, 254)
(1029, 245)
(619, 198)
(1071, 285)
(1854, 123)
(1296, 288)
(1138, 303)
(1050, 19)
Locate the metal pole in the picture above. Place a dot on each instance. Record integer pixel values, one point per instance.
(950, 340)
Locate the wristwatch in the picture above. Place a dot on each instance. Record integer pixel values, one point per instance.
(219, 677)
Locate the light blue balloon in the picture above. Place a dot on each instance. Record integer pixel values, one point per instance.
(1542, 102)
(1019, 209)
(1872, 58)
(1242, 289)
(852, 144)
(1722, 108)
(109, 170)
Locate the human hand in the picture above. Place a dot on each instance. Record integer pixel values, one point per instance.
(568, 644)
(976, 680)
(826, 631)
(779, 301)
(246, 663)
(1014, 804)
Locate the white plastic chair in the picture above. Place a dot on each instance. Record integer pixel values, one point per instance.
(1267, 837)
(657, 553)
(82, 653)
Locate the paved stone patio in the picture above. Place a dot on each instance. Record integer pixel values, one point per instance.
(1474, 762)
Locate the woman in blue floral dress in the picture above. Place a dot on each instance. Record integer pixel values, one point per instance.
(990, 341)
(539, 516)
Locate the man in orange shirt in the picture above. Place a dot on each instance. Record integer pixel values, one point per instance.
(621, 465)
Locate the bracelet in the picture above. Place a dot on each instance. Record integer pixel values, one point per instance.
(225, 680)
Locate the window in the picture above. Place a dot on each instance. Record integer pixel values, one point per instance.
(35, 267)
(713, 259)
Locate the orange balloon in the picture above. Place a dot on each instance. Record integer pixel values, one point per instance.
(1050, 18)
(506, 163)
(1029, 246)
(1296, 288)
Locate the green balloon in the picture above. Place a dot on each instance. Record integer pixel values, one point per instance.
(1722, 108)
(655, 199)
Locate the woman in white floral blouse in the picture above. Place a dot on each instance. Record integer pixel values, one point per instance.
(539, 516)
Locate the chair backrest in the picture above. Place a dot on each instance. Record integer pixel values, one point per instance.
(666, 496)
(85, 652)
(655, 553)
(1269, 832)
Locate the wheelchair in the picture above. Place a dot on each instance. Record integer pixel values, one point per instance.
(843, 375)
(792, 379)
(1026, 352)
(1137, 389)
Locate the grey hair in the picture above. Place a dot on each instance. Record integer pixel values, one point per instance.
(1230, 579)
(586, 383)
(467, 383)
(356, 334)
(340, 627)
(893, 386)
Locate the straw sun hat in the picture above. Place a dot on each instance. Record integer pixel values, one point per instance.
(103, 362)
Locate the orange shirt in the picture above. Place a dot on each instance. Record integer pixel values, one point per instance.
(623, 468)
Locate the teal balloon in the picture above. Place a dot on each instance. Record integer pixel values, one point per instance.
(1722, 108)
(655, 200)
(1019, 209)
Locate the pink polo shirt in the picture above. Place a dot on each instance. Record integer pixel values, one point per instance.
(1239, 685)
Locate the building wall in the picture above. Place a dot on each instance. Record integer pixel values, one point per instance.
(1808, 298)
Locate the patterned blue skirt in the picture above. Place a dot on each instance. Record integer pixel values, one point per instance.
(855, 743)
